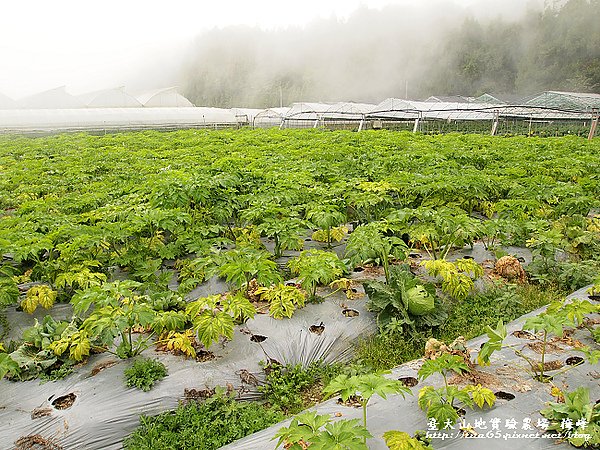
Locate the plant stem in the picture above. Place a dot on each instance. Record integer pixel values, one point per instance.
(364, 406)
(543, 355)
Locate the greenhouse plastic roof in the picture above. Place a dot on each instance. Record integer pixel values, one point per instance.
(348, 110)
(394, 108)
(407, 109)
(164, 98)
(449, 99)
(112, 118)
(109, 98)
(53, 98)
(273, 112)
(245, 115)
(566, 100)
(307, 111)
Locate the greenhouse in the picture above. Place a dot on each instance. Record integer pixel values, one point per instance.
(113, 119)
(109, 98)
(164, 98)
(245, 116)
(440, 117)
(271, 117)
(305, 115)
(57, 98)
(573, 101)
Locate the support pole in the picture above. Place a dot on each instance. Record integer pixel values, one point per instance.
(593, 128)
(362, 123)
(495, 124)
(416, 127)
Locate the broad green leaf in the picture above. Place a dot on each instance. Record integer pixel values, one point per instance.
(442, 412)
(481, 395)
(211, 326)
(7, 365)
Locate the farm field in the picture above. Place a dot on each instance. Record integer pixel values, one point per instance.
(173, 245)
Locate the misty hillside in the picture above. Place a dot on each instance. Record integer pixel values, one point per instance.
(376, 54)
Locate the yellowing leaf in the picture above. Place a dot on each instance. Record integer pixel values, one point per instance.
(399, 440)
(80, 348)
(29, 304)
(482, 395)
(38, 295)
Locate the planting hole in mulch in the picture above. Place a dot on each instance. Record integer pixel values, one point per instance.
(595, 298)
(467, 257)
(204, 355)
(258, 338)
(504, 395)
(408, 381)
(317, 329)
(574, 361)
(415, 255)
(307, 240)
(349, 312)
(523, 334)
(352, 402)
(520, 259)
(358, 269)
(64, 401)
(354, 290)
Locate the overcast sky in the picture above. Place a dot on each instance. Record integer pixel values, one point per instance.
(89, 44)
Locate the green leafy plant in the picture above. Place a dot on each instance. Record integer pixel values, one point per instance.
(336, 234)
(118, 310)
(368, 243)
(363, 387)
(208, 425)
(325, 216)
(241, 265)
(577, 419)
(439, 403)
(439, 230)
(403, 302)
(311, 430)
(458, 276)
(144, 373)
(283, 299)
(286, 233)
(209, 320)
(399, 440)
(285, 385)
(8, 366)
(315, 267)
(550, 322)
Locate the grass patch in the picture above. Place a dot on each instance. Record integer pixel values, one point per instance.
(468, 318)
(202, 426)
(144, 373)
(292, 388)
